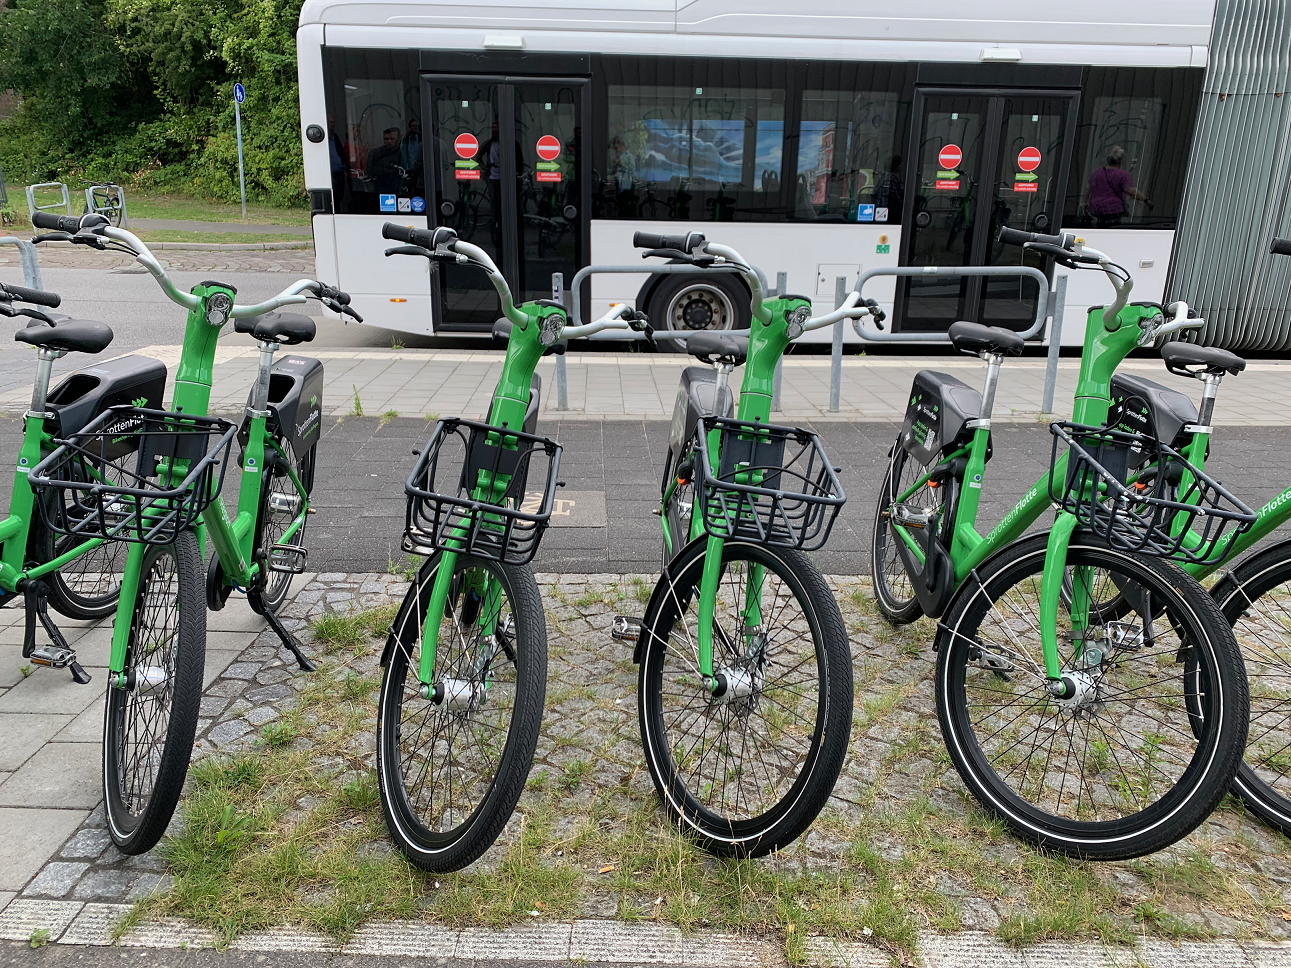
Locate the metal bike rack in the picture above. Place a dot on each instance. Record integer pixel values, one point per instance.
(33, 208)
(1049, 304)
(30, 261)
(91, 206)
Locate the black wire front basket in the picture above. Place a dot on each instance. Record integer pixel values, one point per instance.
(1169, 510)
(133, 474)
(773, 485)
(487, 508)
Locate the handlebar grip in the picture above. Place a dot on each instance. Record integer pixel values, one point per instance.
(35, 296)
(683, 243)
(399, 233)
(59, 223)
(1280, 247)
(1010, 236)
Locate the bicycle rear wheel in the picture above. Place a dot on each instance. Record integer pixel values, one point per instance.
(892, 588)
(149, 723)
(746, 772)
(279, 506)
(1149, 742)
(1256, 598)
(451, 767)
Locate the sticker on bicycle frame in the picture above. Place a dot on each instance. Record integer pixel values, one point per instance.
(950, 156)
(548, 147)
(466, 145)
(547, 176)
(947, 185)
(467, 174)
(1029, 158)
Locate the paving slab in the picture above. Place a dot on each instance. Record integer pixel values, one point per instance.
(57, 775)
(32, 836)
(24, 734)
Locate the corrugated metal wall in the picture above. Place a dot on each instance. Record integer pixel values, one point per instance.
(1238, 183)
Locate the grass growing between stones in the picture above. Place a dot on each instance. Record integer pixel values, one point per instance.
(292, 831)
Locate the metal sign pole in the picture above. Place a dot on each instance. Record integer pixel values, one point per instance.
(1058, 299)
(239, 94)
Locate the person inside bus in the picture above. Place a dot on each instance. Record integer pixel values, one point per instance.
(410, 155)
(1109, 187)
(623, 176)
(356, 153)
(383, 163)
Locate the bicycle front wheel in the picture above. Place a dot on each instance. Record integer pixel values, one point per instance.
(150, 720)
(451, 766)
(745, 772)
(1152, 729)
(1256, 599)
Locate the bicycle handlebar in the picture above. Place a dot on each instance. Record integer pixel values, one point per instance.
(59, 223)
(1280, 247)
(1008, 236)
(34, 296)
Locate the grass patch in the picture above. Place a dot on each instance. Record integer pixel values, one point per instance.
(223, 238)
(199, 210)
(352, 630)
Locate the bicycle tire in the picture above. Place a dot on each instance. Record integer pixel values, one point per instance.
(148, 732)
(1246, 596)
(681, 507)
(87, 587)
(435, 835)
(1195, 758)
(892, 588)
(271, 524)
(777, 813)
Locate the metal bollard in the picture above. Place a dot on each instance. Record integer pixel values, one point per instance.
(836, 354)
(1057, 300)
(781, 285)
(562, 378)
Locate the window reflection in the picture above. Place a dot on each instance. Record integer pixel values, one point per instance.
(846, 160)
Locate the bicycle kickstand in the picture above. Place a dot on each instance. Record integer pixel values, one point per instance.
(58, 654)
(288, 640)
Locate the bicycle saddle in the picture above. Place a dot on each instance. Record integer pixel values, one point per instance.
(502, 330)
(972, 338)
(1179, 356)
(285, 328)
(718, 348)
(70, 335)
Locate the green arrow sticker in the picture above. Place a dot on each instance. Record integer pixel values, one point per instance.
(947, 174)
(1025, 176)
(548, 166)
(466, 163)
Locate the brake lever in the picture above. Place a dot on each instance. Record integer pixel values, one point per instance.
(35, 314)
(409, 250)
(52, 237)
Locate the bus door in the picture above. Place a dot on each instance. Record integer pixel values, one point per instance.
(506, 153)
(980, 160)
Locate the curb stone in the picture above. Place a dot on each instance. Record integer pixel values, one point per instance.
(610, 942)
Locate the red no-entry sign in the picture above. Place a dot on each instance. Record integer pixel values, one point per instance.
(950, 157)
(1029, 159)
(548, 147)
(466, 145)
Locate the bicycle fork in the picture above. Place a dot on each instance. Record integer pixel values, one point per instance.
(1072, 685)
(732, 682)
(481, 608)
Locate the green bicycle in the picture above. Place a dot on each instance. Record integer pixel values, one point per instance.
(1254, 594)
(259, 551)
(745, 685)
(1091, 696)
(466, 659)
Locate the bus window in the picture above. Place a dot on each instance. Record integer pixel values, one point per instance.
(848, 157)
(1133, 122)
(373, 101)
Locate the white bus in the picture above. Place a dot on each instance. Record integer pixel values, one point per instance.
(820, 140)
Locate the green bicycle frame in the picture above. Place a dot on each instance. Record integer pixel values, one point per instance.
(768, 339)
(1105, 346)
(507, 411)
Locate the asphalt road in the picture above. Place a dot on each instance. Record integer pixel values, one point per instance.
(612, 471)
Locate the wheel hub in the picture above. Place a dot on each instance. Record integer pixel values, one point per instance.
(457, 695)
(1082, 693)
(697, 314)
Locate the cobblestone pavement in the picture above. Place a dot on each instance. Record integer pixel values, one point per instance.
(900, 830)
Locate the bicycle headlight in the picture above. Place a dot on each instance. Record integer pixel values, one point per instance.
(218, 307)
(797, 319)
(552, 325)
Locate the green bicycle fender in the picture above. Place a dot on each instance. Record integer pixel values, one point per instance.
(121, 624)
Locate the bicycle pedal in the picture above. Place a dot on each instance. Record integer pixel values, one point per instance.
(625, 628)
(289, 559)
(52, 656)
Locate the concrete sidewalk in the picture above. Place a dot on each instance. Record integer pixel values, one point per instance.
(416, 382)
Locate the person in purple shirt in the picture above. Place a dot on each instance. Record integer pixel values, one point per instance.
(1109, 187)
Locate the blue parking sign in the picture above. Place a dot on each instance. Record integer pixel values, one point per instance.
(388, 203)
(865, 213)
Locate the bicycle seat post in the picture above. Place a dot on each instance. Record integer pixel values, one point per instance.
(993, 361)
(1209, 392)
(259, 405)
(723, 378)
(44, 369)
